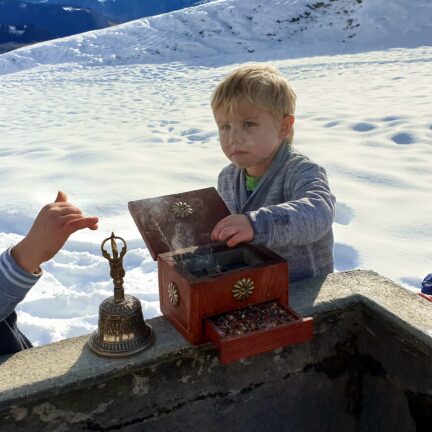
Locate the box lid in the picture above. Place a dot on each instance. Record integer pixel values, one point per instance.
(171, 222)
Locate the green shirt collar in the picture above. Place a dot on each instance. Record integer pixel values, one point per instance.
(251, 182)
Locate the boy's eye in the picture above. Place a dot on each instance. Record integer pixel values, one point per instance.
(224, 127)
(249, 124)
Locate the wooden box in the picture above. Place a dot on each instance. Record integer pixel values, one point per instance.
(199, 279)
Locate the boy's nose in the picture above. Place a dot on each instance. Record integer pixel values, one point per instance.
(235, 137)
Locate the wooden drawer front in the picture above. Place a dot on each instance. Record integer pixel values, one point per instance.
(259, 341)
(215, 296)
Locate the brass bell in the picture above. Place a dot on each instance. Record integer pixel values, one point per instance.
(122, 330)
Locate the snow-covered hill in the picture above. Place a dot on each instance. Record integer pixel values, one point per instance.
(223, 30)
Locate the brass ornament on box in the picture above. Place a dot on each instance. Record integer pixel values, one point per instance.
(243, 289)
(181, 210)
(173, 294)
(122, 330)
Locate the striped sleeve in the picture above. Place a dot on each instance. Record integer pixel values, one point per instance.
(15, 283)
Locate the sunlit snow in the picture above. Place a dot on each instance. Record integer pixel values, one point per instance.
(134, 124)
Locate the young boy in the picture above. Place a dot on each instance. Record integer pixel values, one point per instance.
(279, 198)
(19, 266)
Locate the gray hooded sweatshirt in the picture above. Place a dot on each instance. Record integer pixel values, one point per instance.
(291, 210)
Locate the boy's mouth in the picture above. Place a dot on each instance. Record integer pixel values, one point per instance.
(238, 153)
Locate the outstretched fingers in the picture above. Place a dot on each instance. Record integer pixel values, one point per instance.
(79, 223)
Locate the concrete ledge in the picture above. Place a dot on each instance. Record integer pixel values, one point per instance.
(44, 387)
(380, 294)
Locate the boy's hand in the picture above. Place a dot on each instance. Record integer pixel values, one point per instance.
(236, 228)
(51, 228)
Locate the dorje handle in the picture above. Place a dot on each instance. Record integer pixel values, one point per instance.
(116, 265)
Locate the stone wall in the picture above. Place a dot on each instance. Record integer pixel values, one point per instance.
(368, 368)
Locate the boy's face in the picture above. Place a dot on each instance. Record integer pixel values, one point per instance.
(250, 136)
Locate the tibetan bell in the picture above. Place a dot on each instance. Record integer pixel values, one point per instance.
(122, 330)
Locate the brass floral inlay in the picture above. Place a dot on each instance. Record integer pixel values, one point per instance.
(173, 294)
(181, 210)
(243, 289)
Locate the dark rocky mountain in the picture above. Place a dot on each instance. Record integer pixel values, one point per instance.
(22, 34)
(30, 21)
(23, 22)
(127, 10)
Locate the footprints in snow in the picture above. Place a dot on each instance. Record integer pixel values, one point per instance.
(363, 127)
(199, 135)
(175, 134)
(381, 126)
(345, 256)
(331, 124)
(404, 138)
(344, 214)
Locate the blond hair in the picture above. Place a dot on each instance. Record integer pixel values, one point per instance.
(263, 86)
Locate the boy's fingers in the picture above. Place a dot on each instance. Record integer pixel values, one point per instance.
(234, 240)
(215, 234)
(222, 222)
(61, 197)
(218, 227)
(227, 233)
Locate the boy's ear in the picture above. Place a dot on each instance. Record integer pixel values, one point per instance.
(286, 125)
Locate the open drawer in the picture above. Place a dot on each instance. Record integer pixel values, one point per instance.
(256, 329)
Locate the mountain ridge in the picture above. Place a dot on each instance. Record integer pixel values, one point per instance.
(225, 30)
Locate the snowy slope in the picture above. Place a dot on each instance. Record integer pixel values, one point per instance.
(223, 30)
(109, 135)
